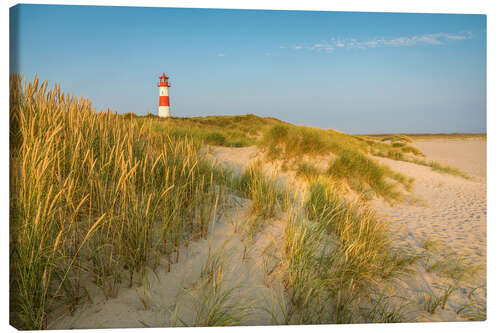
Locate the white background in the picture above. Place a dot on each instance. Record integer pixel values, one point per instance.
(489, 8)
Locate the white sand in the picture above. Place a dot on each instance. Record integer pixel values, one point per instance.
(452, 211)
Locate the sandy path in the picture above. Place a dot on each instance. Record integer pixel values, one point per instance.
(170, 298)
(237, 159)
(167, 298)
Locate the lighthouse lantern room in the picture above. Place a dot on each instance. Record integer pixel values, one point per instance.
(164, 105)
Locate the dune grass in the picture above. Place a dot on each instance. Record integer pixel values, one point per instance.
(454, 267)
(354, 166)
(397, 138)
(351, 162)
(94, 193)
(459, 274)
(407, 153)
(288, 142)
(294, 141)
(447, 169)
(292, 144)
(473, 311)
(229, 131)
(211, 302)
(266, 195)
(435, 166)
(307, 171)
(334, 253)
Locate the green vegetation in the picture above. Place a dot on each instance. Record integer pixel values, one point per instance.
(294, 141)
(458, 274)
(354, 166)
(267, 197)
(433, 302)
(397, 138)
(453, 267)
(290, 143)
(473, 311)
(447, 169)
(229, 131)
(334, 254)
(307, 171)
(432, 164)
(352, 163)
(219, 306)
(214, 303)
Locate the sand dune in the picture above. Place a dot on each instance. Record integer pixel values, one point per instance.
(444, 209)
(172, 298)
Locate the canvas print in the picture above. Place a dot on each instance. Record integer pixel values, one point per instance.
(217, 167)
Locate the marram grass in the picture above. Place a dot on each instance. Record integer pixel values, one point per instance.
(94, 193)
(334, 252)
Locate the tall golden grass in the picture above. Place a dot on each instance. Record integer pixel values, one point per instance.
(334, 254)
(94, 195)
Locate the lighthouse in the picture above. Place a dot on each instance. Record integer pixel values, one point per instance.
(164, 105)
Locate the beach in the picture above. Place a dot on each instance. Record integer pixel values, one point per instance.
(445, 217)
(450, 211)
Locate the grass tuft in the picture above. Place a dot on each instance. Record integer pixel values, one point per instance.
(266, 195)
(352, 166)
(333, 254)
(307, 171)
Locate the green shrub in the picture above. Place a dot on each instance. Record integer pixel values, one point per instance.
(294, 142)
(333, 255)
(307, 170)
(352, 165)
(398, 144)
(277, 134)
(216, 138)
(397, 137)
(265, 194)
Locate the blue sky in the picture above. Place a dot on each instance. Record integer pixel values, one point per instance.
(355, 72)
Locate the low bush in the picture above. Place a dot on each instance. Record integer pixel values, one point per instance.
(352, 166)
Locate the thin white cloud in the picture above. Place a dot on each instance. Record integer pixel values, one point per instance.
(220, 54)
(439, 38)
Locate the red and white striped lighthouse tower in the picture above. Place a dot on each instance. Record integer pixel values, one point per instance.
(164, 105)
